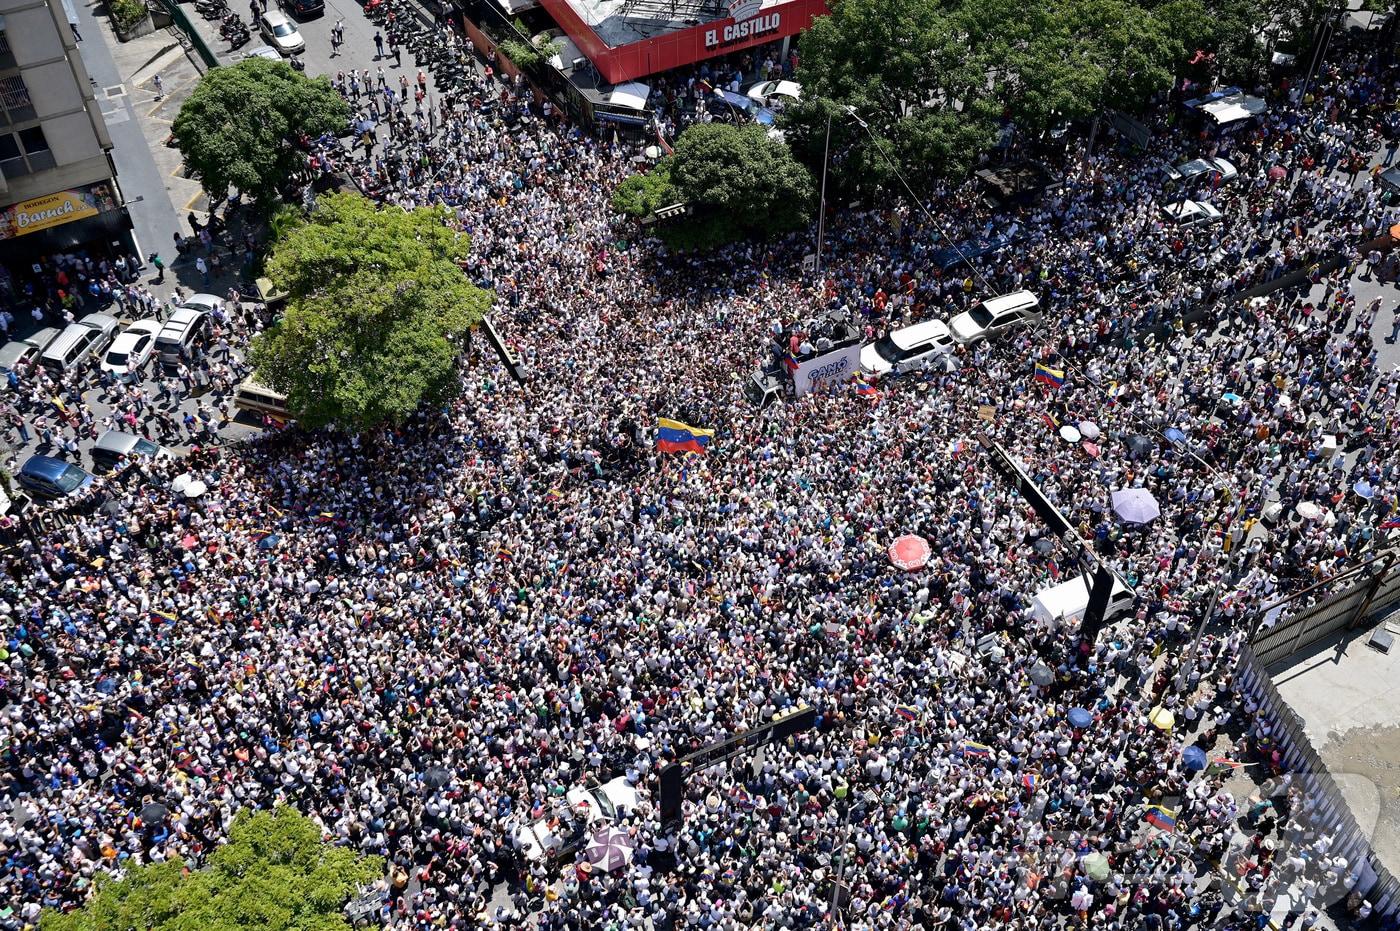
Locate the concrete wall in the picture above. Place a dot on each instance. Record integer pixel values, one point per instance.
(63, 98)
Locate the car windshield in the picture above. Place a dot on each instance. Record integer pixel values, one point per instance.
(888, 351)
(980, 315)
(605, 805)
(282, 29)
(145, 448)
(70, 479)
(117, 358)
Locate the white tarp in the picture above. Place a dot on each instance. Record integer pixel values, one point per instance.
(633, 94)
(827, 369)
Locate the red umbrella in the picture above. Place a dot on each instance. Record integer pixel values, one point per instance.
(910, 552)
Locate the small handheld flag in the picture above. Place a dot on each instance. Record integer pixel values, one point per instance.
(1160, 817)
(907, 712)
(1030, 780)
(1044, 374)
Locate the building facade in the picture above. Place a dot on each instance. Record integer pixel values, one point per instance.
(58, 187)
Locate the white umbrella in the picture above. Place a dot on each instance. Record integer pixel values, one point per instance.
(1069, 434)
(1135, 505)
(181, 480)
(194, 489)
(611, 848)
(1089, 430)
(1309, 510)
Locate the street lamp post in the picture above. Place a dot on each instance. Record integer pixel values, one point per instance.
(821, 211)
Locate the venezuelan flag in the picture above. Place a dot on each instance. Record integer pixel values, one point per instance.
(1055, 378)
(907, 712)
(1030, 780)
(973, 748)
(1160, 817)
(672, 436)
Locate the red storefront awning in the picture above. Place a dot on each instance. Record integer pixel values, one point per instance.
(684, 46)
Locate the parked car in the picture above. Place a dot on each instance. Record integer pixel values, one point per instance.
(209, 303)
(131, 350)
(179, 333)
(996, 316)
(48, 477)
(281, 33)
(1216, 170)
(23, 352)
(592, 806)
(301, 9)
(774, 93)
(1191, 213)
(78, 341)
(262, 51)
(909, 349)
(115, 445)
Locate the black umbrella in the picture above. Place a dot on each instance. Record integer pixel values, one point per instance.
(154, 813)
(1138, 445)
(436, 778)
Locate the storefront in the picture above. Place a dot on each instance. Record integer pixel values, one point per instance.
(88, 218)
(749, 23)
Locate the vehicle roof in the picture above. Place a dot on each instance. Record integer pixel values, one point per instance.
(1005, 302)
(69, 333)
(43, 337)
(204, 301)
(116, 441)
(147, 326)
(788, 88)
(100, 321)
(45, 467)
(275, 17)
(919, 333)
(1196, 166)
(14, 350)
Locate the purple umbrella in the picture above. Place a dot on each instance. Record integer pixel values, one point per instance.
(1135, 506)
(611, 848)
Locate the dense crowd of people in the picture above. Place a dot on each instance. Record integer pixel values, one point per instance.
(520, 591)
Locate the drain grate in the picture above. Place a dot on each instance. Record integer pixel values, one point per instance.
(116, 90)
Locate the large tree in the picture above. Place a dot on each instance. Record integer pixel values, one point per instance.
(735, 181)
(931, 79)
(376, 314)
(240, 125)
(273, 874)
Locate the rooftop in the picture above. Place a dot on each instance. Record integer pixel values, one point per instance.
(622, 22)
(1348, 696)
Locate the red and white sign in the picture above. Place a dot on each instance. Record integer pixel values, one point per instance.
(749, 24)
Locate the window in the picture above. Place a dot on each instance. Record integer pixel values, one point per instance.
(15, 104)
(7, 58)
(36, 147)
(12, 163)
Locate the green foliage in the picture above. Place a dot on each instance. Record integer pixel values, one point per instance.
(736, 181)
(641, 195)
(239, 126)
(528, 56)
(273, 874)
(126, 14)
(376, 310)
(933, 77)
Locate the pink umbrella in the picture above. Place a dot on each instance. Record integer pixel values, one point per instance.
(910, 552)
(1277, 172)
(1092, 449)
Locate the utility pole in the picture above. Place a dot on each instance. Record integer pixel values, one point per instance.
(821, 212)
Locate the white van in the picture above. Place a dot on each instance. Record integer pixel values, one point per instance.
(1067, 601)
(251, 396)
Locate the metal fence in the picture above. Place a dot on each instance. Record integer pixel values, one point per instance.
(196, 41)
(1323, 804)
(1376, 588)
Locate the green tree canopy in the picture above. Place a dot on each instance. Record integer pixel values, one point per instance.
(238, 128)
(376, 312)
(273, 874)
(932, 78)
(736, 181)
